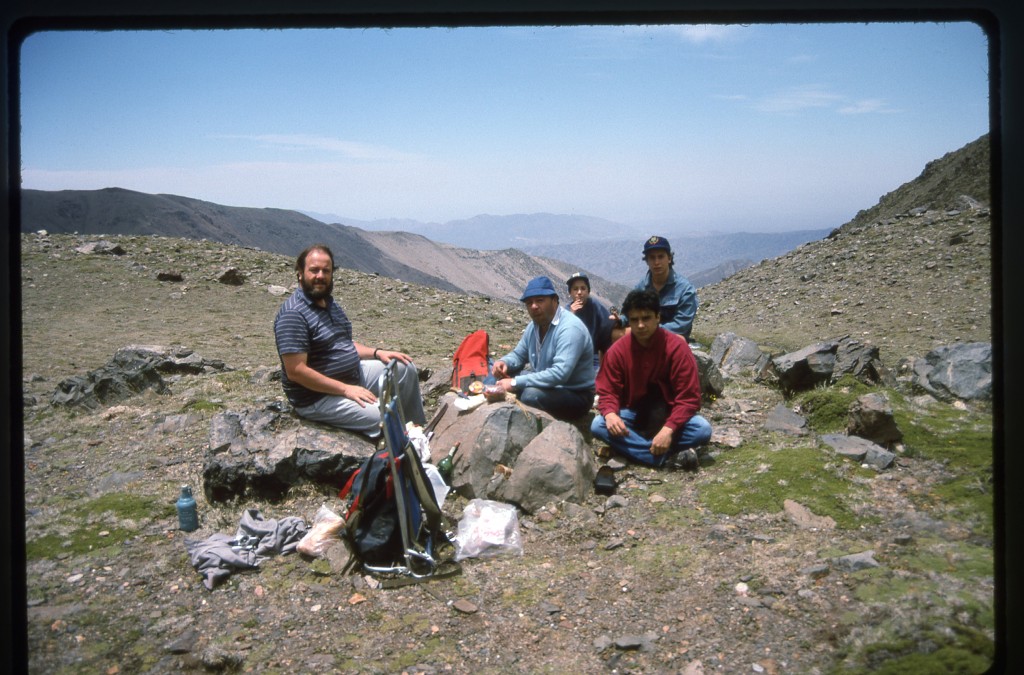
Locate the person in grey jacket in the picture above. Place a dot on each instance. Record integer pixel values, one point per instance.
(552, 366)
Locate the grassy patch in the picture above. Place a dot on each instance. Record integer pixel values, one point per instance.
(827, 407)
(962, 441)
(961, 651)
(959, 558)
(203, 405)
(97, 525)
(757, 478)
(882, 585)
(944, 433)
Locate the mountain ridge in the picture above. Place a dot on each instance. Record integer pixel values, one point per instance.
(404, 256)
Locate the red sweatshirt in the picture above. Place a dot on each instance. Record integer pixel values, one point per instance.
(629, 371)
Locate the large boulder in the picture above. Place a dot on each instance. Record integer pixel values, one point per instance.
(513, 453)
(863, 361)
(956, 371)
(824, 362)
(871, 417)
(555, 466)
(808, 367)
(263, 453)
(712, 383)
(132, 370)
(489, 436)
(860, 450)
(736, 355)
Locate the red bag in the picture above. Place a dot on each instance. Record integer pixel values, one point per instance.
(470, 363)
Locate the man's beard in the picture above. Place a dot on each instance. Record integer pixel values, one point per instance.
(317, 294)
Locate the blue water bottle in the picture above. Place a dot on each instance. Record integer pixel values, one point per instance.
(188, 520)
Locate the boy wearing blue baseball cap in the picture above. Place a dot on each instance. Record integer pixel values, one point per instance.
(676, 294)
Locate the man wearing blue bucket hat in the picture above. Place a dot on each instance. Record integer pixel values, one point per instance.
(552, 367)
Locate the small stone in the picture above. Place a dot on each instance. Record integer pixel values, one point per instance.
(465, 606)
(815, 571)
(629, 642)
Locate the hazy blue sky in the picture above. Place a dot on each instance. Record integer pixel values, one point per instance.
(759, 127)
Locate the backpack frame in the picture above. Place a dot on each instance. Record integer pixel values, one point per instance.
(393, 523)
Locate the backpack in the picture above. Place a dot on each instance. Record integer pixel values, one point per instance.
(373, 530)
(471, 363)
(371, 521)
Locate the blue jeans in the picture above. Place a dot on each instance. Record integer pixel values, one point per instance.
(694, 433)
(562, 404)
(345, 413)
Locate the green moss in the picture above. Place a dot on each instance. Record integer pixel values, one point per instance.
(959, 558)
(962, 441)
(204, 406)
(827, 407)
(756, 478)
(969, 652)
(96, 529)
(947, 434)
(432, 650)
(128, 506)
(661, 563)
(881, 585)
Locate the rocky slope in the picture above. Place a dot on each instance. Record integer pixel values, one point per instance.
(677, 572)
(909, 274)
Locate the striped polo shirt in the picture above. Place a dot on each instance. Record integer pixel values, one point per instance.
(324, 334)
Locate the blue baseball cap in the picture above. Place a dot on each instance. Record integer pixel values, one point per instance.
(656, 242)
(578, 276)
(538, 286)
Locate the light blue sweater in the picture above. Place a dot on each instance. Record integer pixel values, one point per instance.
(565, 358)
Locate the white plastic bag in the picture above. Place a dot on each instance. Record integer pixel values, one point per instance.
(419, 441)
(488, 529)
(470, 402)
(326, 529)
(441, 488)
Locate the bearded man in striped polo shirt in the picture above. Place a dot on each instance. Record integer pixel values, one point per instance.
(327, 376)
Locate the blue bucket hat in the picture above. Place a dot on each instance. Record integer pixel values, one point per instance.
(656, 242)
(538, 286)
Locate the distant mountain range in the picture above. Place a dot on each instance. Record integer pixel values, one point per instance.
(607, 248)
(399, 255)
(486, 255)
(492, 255)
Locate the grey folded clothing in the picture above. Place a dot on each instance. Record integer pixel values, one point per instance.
(257, 539)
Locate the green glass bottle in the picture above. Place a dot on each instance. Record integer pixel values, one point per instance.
(447, 465)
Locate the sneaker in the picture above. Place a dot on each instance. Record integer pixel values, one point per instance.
(684, 460)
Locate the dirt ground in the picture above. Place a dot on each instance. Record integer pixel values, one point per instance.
(652, 580)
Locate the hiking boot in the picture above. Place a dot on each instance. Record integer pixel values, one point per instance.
(684, 460)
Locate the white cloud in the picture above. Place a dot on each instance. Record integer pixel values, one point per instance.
(796, 99)
(869, 105)
(694, 34)
(350, 149)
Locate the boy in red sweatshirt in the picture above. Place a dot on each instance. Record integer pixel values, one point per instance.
(649, 392)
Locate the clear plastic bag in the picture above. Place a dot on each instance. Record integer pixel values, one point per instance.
(488, 529)
(326, 530)
(437, 483)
